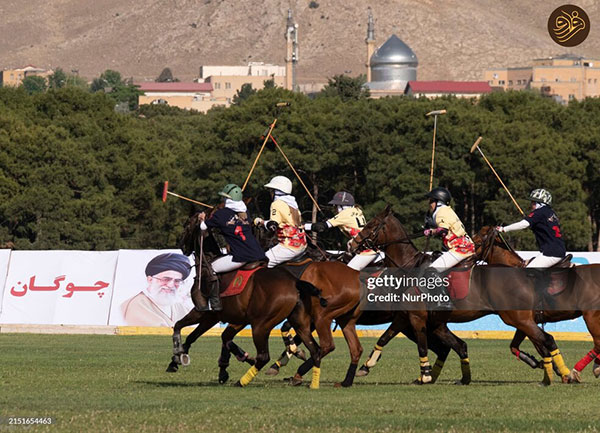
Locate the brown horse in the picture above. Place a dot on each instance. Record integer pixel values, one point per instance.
(270, 296)
(582, 289)
(493, 290)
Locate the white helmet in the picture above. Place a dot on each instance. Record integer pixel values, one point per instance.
(281, 183)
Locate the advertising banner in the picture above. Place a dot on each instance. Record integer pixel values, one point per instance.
(58, 287)
(152, 288)
(4, 260)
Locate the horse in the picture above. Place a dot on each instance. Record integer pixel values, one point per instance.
(270, 296)
(582, 289)
(487, 295)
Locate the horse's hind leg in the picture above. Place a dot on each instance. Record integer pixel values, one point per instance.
(450, 340)
(592, 320)
(301, 322)
(523, 356)
(291, 349)
(227, 348)
(354, 346)
(398, 324)
(180, 355)
(418, 321)
(323, 328)
(260, 335)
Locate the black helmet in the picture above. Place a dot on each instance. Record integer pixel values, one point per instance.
(342, 199)
(440, 194)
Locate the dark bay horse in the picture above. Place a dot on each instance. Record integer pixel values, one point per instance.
(493, 290)
(581, 297)
(270, 296)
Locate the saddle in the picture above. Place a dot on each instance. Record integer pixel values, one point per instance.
(297, 266)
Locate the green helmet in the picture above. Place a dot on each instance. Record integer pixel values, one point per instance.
(541, 196)
(232, 191)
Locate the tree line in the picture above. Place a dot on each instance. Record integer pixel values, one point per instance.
(76, 174)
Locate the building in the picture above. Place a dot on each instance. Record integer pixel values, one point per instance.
(509, 78)
(460, 89)
(227, 80)
(14, 77)
(190, 96)
(390, 67)
(564, 78)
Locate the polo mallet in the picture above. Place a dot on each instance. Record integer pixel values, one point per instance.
(476, 146)
(295, 172)
(435, 114)
(167, 192)
(270, 130)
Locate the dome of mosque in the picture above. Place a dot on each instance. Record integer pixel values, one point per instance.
(394, 52)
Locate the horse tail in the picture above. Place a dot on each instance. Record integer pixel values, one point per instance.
(311, 290)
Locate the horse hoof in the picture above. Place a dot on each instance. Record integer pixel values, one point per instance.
(425, 379)
(362, 371)
(300, 354)
(545, 383)
(185, 359)
(574, 376)
(417, 382)
(294, 381)
(238, 384)
(462, 382)
(223, 378)
(596, 370)
(272, 371)
(565, 378)
(172, 368)
(337, 385)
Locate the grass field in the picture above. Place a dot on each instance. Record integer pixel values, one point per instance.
(119, 384)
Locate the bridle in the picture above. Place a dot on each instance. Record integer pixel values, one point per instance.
(487, 245)
(362, 242)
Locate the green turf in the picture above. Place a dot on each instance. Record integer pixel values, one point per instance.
(118, 383)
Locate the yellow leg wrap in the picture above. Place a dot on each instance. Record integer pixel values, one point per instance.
(560, 362)
(250, 374)
(284, 334)
(278, 364)
(316, 378)
(424, 361)
(378, 347)
(437, 369)
(548, 372)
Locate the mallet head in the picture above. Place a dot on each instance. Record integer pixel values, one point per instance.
(476, 145)
(436, 112)
(165, 190)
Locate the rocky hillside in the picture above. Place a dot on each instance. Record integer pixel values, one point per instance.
(453, 39)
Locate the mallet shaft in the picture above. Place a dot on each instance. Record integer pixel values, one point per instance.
(259, 153)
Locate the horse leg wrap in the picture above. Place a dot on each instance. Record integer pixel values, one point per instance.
(583, 362)
(560, 362)
(465, 369)
(548, 371)
(437, 369)
(374, 356)
(425, 370)
(316, 378)
(285, 358)
(225, 356)
(527, 358)
(239, 354)
(250, 374)
(349, 379)
(306, 365)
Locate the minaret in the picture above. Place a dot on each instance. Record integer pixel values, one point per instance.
(291, 57)
(370, 44)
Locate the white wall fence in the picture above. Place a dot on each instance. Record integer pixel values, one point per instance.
(93, 288)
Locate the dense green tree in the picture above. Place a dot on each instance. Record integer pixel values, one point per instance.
(34, 84)
(57, 79)
(346, 87)
(243, 93)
